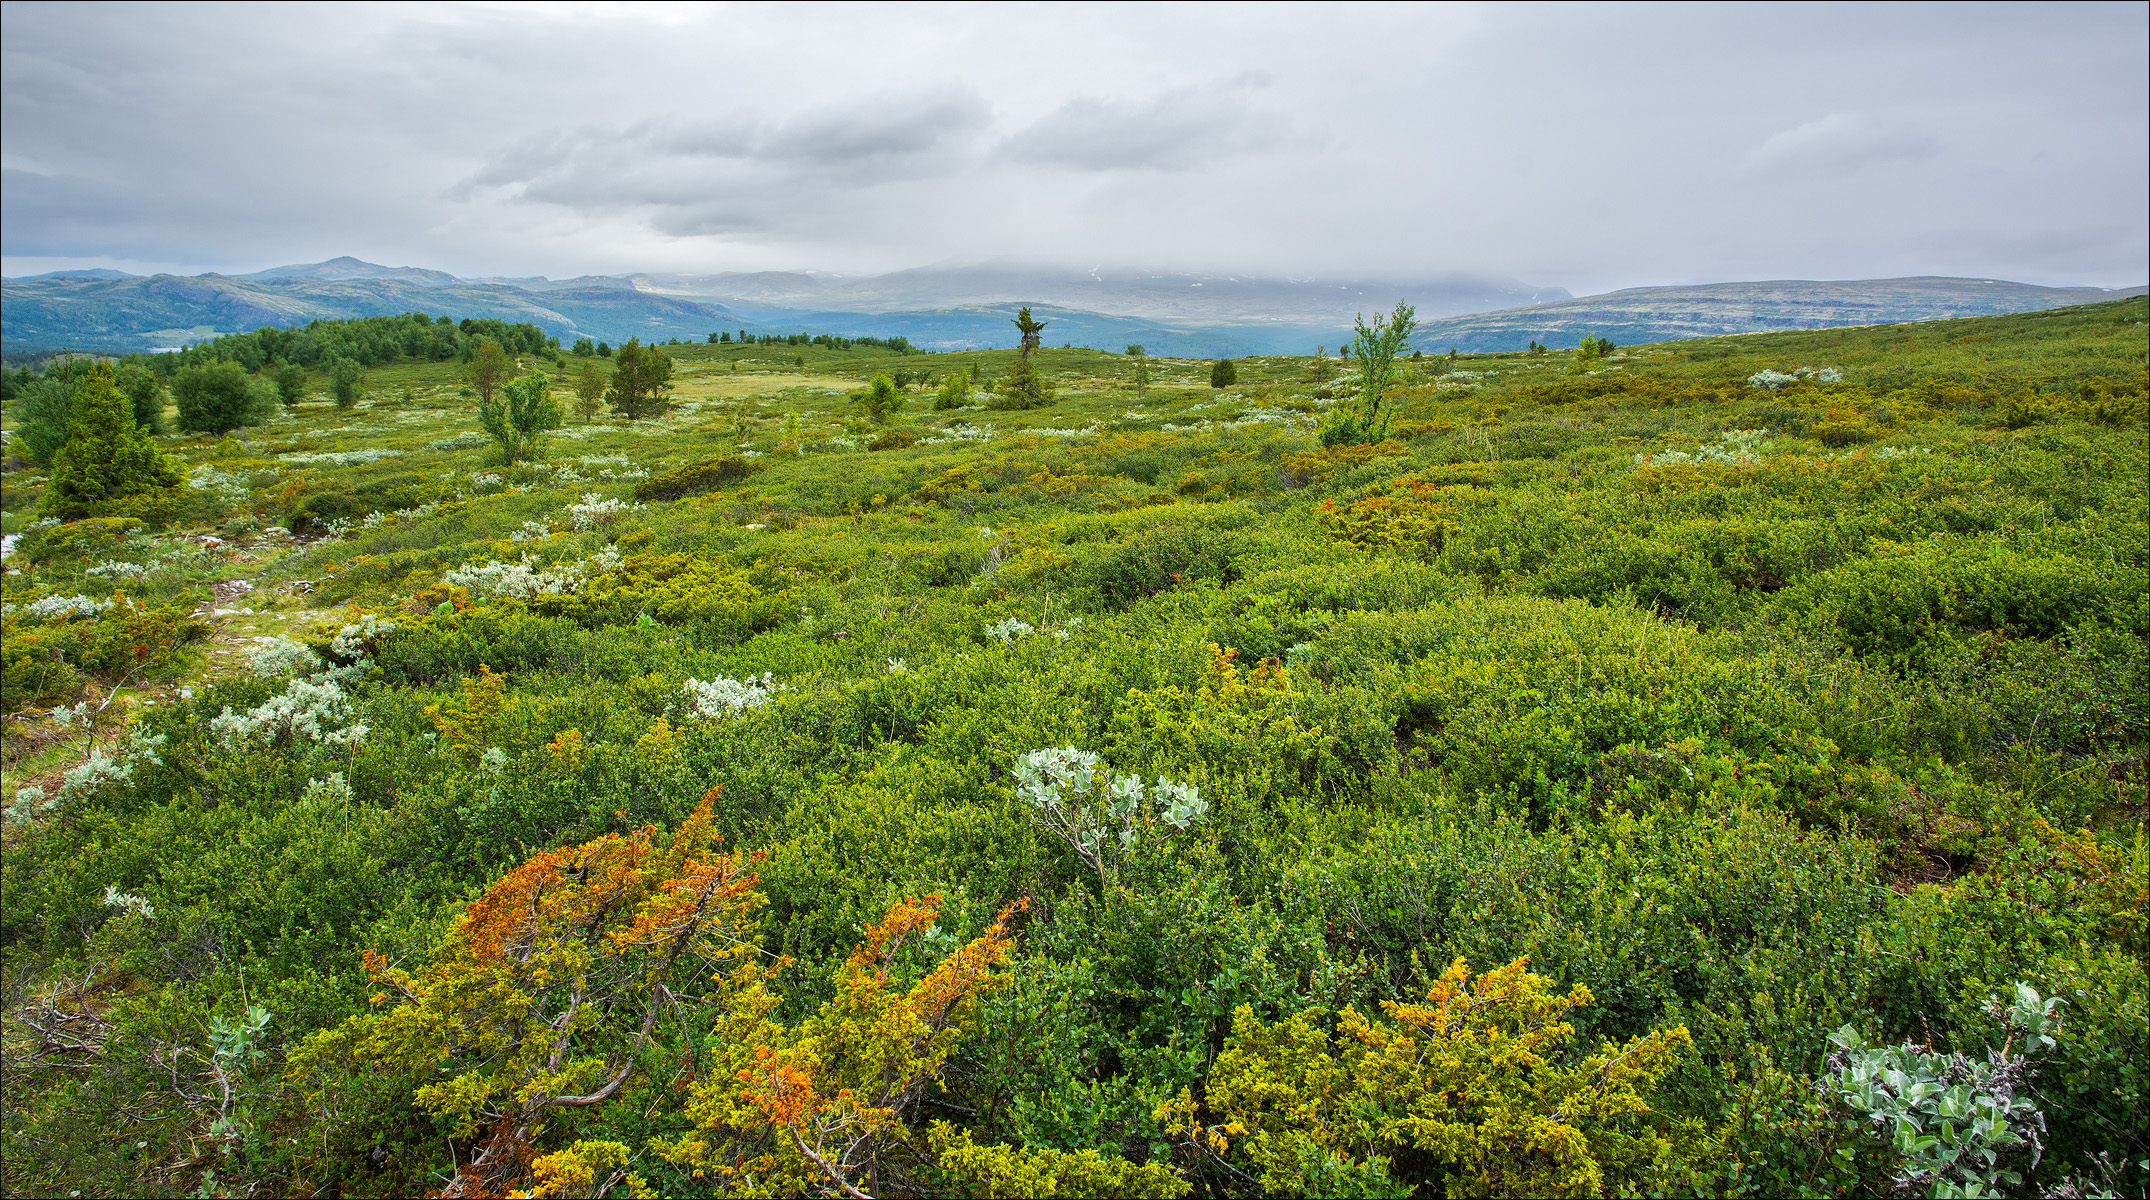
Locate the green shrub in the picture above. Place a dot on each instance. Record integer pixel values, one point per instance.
(92, 535)
(695, 478)
(1910, 602)
(315, 513)
(1161, 558)
(218, 397)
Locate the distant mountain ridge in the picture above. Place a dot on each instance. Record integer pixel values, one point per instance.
(1180, 314)
(348, 268)
(1659, 314)
(118, 312)
(1177, 297)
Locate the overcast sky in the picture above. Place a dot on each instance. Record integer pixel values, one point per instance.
(1591, 147)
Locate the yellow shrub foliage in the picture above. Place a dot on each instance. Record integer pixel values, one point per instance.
(967, 477)
(1409, 515)
(672, 588)
(660, 745)
(472, 721)
(583, 1169)
(823, 1108)
(568, 753)
(1314, 465)
(1014, 1172)
(1245, 723)
(1472, 1079)
(544, 994)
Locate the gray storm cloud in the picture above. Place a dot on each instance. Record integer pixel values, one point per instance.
(1589, 146)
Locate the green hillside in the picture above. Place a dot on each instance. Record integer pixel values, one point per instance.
(1651, 314)
(137, 314)
(1517, 805)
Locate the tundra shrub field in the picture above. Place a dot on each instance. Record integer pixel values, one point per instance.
(1713, 768)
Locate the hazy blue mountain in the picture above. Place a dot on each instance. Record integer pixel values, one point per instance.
(85, 273)
(1656, 314)
(990, 326)
(1180, 297)
(346, 268)
(141, 313)
(538, 283)
(1179, 314)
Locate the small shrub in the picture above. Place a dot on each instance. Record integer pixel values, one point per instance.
(1162, 558)
(695, 478)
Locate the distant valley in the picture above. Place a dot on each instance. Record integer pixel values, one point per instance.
(1177, 314)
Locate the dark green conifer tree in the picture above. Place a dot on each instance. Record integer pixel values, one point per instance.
(145, 390)
(108, 462)
(1025, 388)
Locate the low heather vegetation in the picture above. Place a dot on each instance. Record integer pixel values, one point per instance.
(454, 764)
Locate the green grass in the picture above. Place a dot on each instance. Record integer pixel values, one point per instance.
(1756, 747)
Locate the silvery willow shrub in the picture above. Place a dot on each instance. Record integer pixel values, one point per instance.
(54, 608)
(118, 570)
(1101, 816)
(1734, 448)
(30, 804)
(525, 579)
(595, 510)
(1772, 380)
(1007, 630)
(341, 458)
(280, 656)
(229, 488)
(333, 789)
(517, 580)
(358, 639)
(128, 902)
(726, 697)
(93, 774)
(1951, 1120)
(100, 769)
(316, 712)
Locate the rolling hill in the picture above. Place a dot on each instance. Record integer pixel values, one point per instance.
(1179, 314)
(128, 313)
(1655, 314)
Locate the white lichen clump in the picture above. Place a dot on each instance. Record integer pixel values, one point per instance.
(727, 697)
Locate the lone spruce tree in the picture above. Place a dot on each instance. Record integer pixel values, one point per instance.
(108, 464)
(1024, 388)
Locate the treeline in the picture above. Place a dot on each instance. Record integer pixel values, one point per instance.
(899, 345)
(239, 379)
(368, 341)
